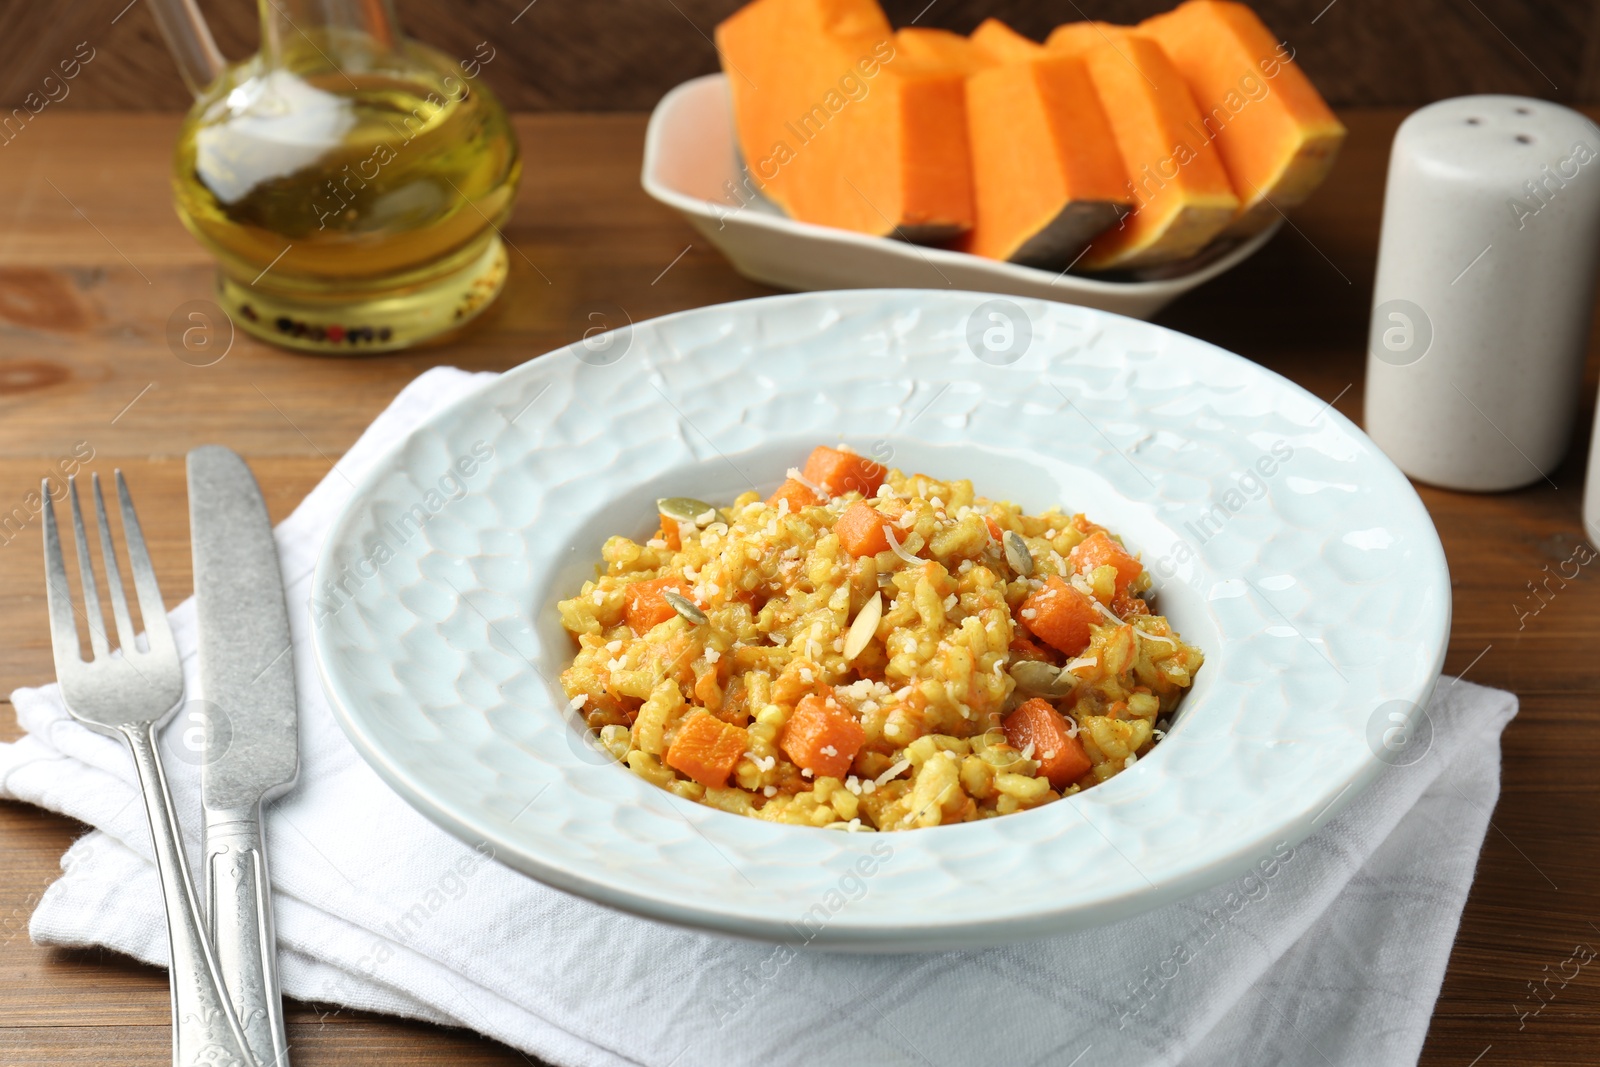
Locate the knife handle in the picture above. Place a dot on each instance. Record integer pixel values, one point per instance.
(203, 1030)
(238, 899)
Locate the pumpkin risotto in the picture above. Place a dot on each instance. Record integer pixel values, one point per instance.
(870, 650)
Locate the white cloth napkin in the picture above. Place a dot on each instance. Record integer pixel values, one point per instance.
(1332, 954)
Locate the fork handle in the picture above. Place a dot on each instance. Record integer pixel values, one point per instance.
(204, 1029)
(239, 909)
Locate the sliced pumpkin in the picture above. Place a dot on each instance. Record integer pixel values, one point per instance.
(1047, 173)
(1000, 43)
(925, 45)
(1276, 136)
(838, 129)
(1183, 198)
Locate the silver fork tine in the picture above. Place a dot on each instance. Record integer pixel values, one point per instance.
(58, 593)
(91, 592)
(151, 609)
(108, 553)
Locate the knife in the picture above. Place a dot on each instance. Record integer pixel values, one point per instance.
(252, 748)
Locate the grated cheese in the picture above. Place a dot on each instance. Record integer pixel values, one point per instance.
(894, 546)
(1108, 613)
(822, 494)
(892, 773)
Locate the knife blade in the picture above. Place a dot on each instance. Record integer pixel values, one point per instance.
(251, 750)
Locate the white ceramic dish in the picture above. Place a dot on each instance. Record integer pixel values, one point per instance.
(691, 163)
(1318, 592)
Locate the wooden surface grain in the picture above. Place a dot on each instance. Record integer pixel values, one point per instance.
(93, 263)
(623, 54)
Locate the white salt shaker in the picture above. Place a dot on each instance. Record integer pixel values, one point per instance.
(1486, 276)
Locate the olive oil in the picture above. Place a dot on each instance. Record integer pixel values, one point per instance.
(352, 208)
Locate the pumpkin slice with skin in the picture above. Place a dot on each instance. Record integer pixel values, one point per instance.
(1046, 172)
(1276, 136)
(839, 130)
(1183, 198)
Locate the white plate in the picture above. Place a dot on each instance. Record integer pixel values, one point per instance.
(692, 164)
(1318, 592)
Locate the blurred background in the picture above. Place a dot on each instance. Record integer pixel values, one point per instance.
(622, 55)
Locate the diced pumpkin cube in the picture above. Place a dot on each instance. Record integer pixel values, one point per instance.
(1099, 549)
(822, 736)
(861, 530)
(643, 606)
(1182, 195)
(1276, 136)
(706, 749)
(1060, 616)
(843, 472)
(1025, 647)
(796, 493)
(1061, 757)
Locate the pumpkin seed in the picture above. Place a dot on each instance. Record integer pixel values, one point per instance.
(865, 626)
(1037, 678)
(686, 509)
(1017, 553)
(685, 607)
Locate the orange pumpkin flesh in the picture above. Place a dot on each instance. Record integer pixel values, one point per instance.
(839, 130)
(1046, 173)
(1138, 146)
(1276, 136)
(1182, 193)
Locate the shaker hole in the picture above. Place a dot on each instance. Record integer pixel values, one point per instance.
(1474, 121)
(1523, 138)
(1523, 111)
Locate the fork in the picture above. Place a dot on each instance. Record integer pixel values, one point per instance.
(130, 694)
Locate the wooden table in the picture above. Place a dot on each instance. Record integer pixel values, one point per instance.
(93, 262)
